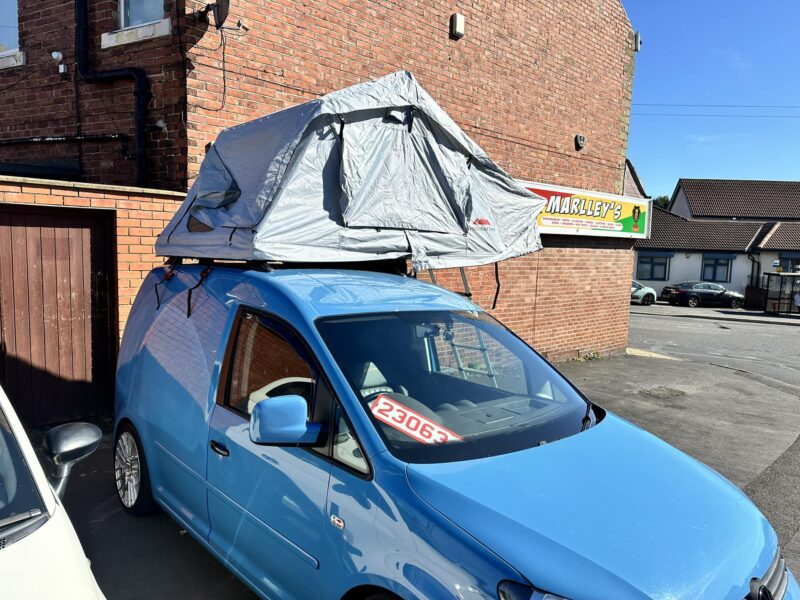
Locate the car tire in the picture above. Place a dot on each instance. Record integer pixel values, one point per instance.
(693, 302)
(648, 300)
(736, 303)
(131, 477)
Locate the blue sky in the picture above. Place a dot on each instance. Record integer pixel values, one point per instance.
(715, 52)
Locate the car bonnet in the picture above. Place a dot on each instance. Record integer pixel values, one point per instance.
(612, 512)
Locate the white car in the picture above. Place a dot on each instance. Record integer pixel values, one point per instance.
(642, 294)
(40, 554)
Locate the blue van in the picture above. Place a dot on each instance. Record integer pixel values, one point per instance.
(354, 435)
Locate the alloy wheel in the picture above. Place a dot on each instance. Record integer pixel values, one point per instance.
(127, 469)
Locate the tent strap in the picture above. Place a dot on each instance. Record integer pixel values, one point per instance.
(497, 281)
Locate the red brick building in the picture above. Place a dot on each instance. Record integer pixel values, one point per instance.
(129, 92)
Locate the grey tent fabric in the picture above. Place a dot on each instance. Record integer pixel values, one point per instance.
(377, 170)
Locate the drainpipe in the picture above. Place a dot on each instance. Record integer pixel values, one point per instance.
(139, 77)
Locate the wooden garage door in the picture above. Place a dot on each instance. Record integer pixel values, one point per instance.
(57, 349)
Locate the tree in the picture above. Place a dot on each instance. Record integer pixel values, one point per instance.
(661, 202)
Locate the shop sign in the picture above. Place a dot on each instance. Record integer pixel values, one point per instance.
(570, 211)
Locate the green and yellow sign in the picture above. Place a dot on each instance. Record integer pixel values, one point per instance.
(571, 211)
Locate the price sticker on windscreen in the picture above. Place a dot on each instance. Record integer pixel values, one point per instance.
(411, 423)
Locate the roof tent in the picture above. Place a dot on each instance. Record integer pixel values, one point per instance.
(374, 171)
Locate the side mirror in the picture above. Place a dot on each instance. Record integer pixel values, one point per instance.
(282, 420)
(66, 445)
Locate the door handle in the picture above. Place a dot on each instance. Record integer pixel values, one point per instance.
(219, 448)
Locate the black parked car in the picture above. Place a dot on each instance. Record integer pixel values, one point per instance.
(695, 293)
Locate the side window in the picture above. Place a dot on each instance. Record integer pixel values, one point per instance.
(140, 12)
(464, 351)
(716, 269)
(653, 268)
(266, 363)
(345, 448)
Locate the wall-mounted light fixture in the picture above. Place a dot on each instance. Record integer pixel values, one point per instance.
(580, 141)
(457, 26)
(637, 41)
(58, 57)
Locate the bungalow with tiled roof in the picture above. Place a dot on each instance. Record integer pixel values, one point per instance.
(724, 231)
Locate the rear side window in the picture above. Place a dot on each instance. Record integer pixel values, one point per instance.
(267, 362)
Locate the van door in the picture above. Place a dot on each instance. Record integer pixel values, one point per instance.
(266, 503)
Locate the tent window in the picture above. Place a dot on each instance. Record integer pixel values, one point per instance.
(197, 226)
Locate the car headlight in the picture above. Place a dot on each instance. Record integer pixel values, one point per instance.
(512, 590)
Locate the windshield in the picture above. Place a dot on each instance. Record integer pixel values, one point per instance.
(18, 493)
(443, 386)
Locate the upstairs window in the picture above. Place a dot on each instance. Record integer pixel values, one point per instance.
(138, 12)
(9, 27)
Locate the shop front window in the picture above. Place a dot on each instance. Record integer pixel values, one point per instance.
(790, 264)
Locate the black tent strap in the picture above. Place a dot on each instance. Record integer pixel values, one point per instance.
(497, 281)
(167, 276)
(203, 276)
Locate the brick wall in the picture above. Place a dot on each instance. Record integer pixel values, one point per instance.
(569, 300)
(140, 215)
(38, 101)
(528, 76)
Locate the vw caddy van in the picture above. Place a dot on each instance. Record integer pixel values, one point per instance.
(353, 435)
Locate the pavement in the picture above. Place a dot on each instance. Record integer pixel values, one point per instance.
(726, 392)
(134, 558)
(664, 309)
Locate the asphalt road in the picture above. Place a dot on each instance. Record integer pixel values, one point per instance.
(768, 351)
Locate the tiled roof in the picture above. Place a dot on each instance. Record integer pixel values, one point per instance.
(783, 236)
(632, 185)
(743, 198)
(671, 232)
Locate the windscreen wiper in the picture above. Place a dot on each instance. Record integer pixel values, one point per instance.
(19, 518)
(586, 422)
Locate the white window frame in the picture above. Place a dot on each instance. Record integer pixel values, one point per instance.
(123, 26)
(14, 50)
